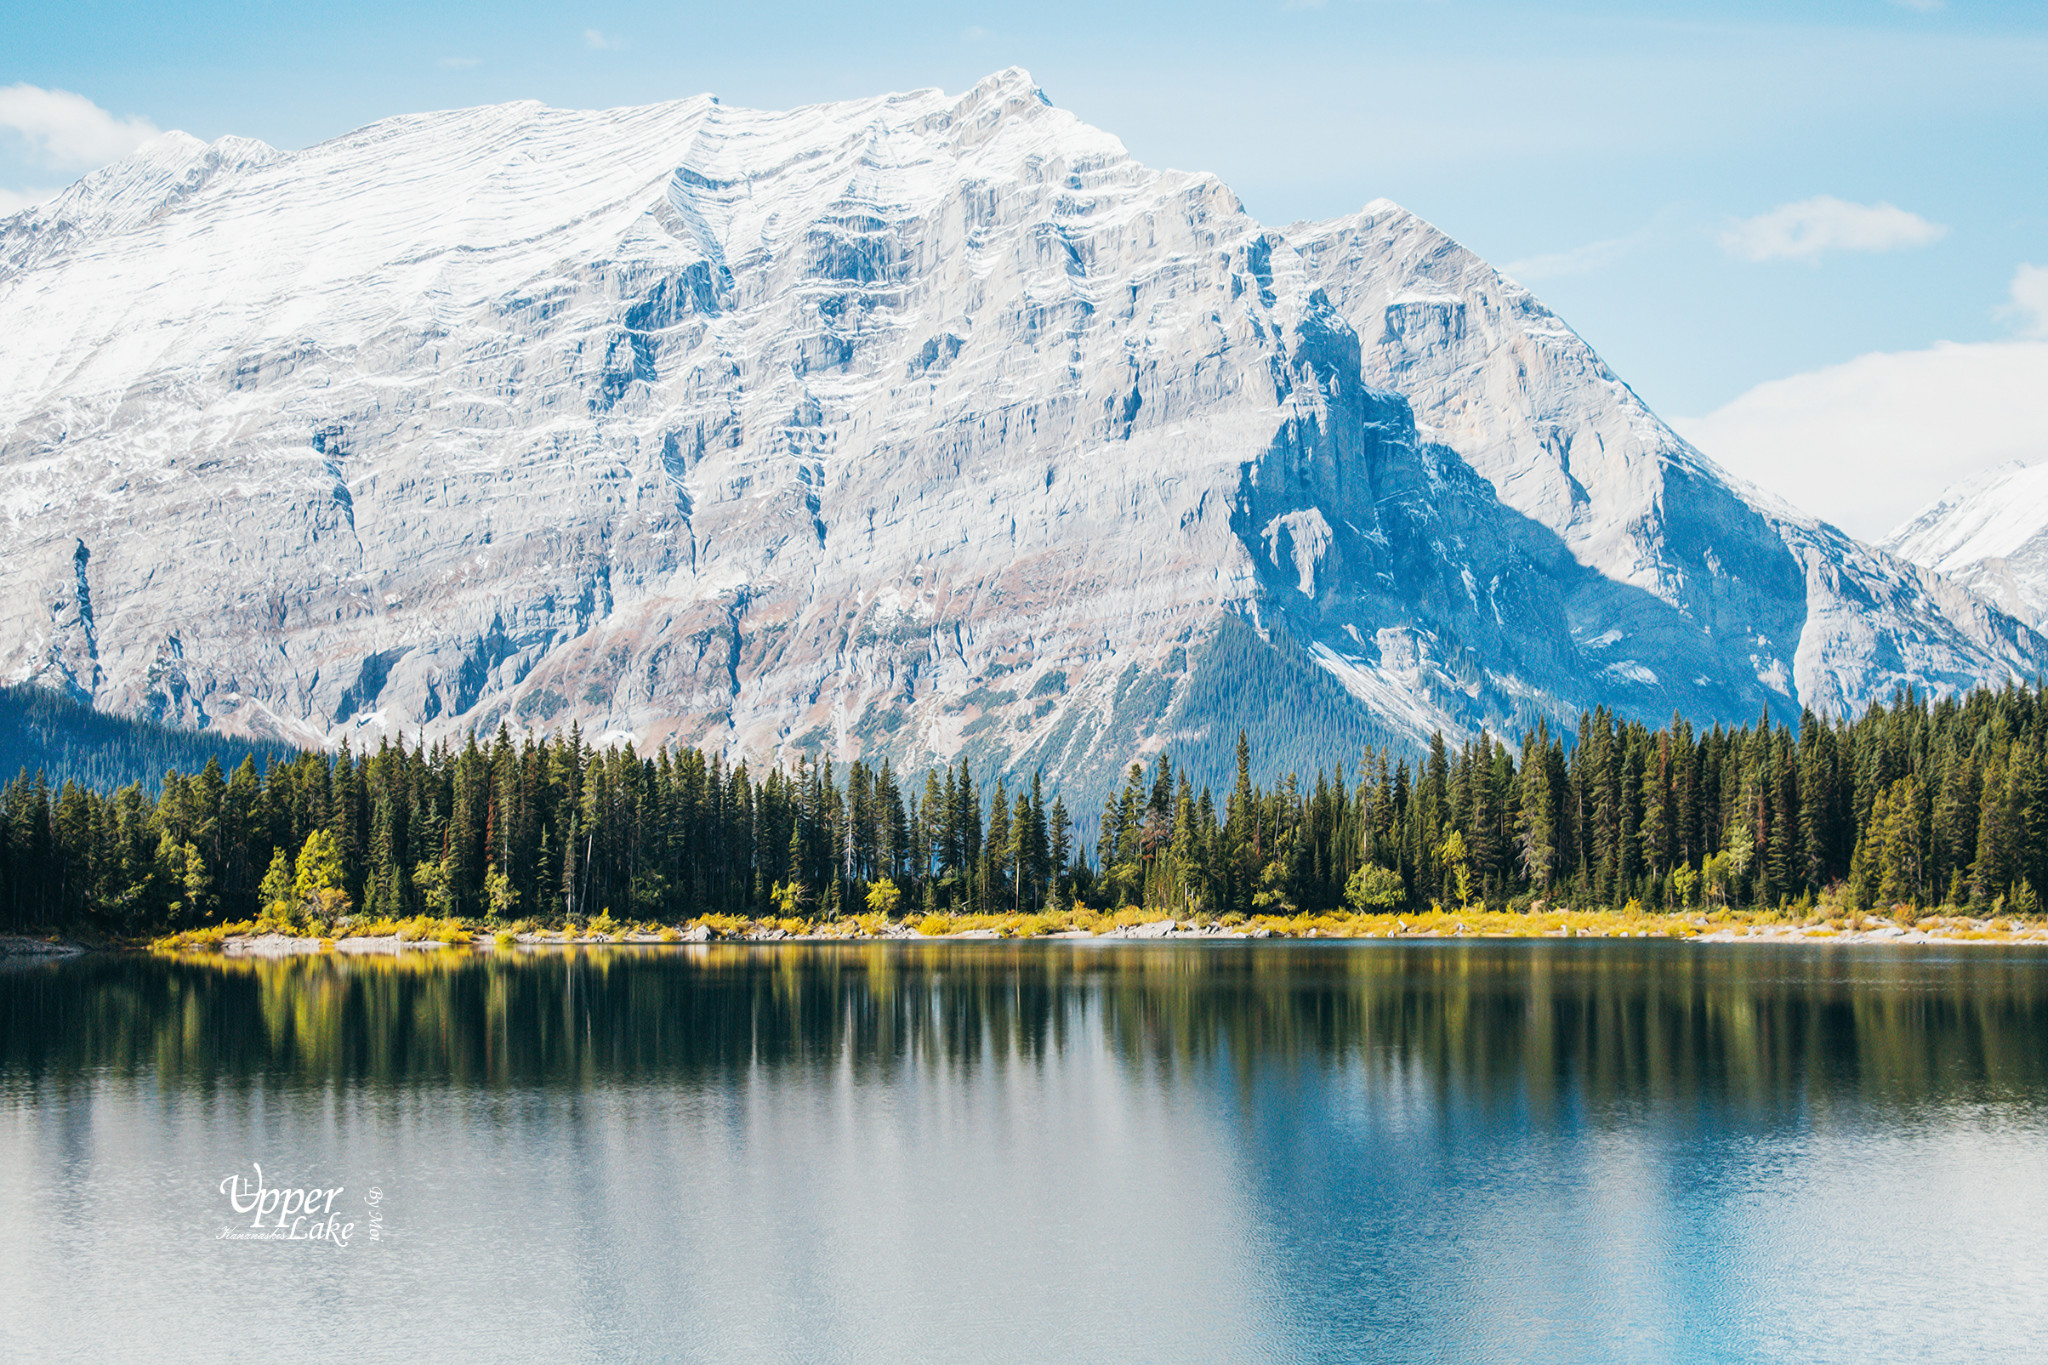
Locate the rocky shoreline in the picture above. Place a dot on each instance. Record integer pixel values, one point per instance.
(29, 946)
(285, 945)
(1979, 932)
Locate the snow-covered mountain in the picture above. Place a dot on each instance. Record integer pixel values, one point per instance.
(1989, 533)
(160, 175)
(920, 425)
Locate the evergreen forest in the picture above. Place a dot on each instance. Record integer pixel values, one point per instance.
(65, 739)
(1914, 803)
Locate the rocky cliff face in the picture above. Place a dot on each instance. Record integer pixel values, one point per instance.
(1692, 573)
(1989, 534)
(917, 426)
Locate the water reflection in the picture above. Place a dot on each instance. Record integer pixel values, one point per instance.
(1525, 1024)
(1454, 1151)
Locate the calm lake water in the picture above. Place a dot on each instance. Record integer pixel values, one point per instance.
(1545, 1151)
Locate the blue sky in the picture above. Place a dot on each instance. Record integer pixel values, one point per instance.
(1719, 197)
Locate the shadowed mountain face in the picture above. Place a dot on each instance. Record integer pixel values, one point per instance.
(915, 427)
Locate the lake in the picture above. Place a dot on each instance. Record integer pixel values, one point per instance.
(1462, 1151)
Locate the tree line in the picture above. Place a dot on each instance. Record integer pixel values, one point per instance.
(1912, 803)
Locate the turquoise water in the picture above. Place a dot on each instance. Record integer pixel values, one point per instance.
(1543, 1151)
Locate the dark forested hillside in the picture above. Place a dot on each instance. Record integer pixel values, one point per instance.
(1910, 804)
(68, 741)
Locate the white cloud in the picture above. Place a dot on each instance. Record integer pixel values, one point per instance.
(459, 63)
(1802, 231)
(595, 40)
(1922, 6)
(1868, 443)
(975, 33)
(2029, 306)
(64, 129)
(14, 201)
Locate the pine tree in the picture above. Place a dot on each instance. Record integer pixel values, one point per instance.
(1538, 811)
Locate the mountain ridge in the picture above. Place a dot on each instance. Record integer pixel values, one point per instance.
(923, 426)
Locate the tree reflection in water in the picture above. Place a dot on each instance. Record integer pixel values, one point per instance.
(1531, 1024)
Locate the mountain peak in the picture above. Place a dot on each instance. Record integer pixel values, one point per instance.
(1012, 82)
(995, 99)
(175, 143)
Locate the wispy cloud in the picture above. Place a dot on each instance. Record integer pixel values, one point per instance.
(65, 129)
(14, 201)
(1594, 257)
(459, 63)
(2029, 305)
(1922, 6)
(1580, 260)
(1808, 229)
(975, 33)
(596, 41)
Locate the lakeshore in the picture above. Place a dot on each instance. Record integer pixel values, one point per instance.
(1905, 928)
